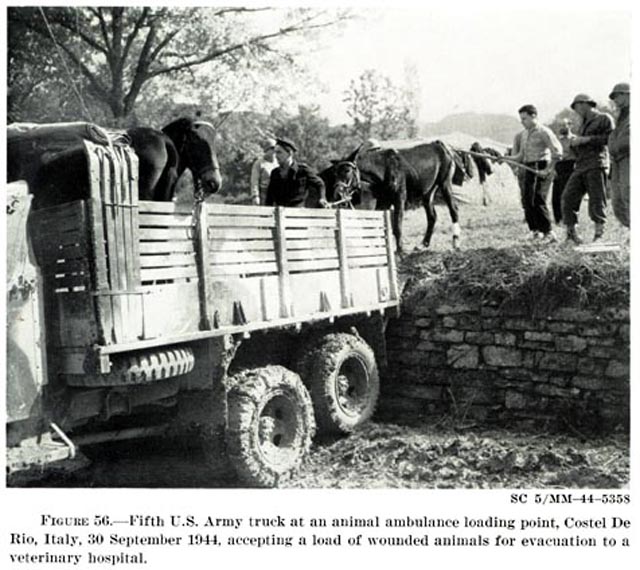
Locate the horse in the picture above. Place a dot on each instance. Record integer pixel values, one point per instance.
(343, 185)
(407, 177)
(63, 176)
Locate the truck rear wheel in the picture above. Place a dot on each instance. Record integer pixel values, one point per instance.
(270, 424)
(342, 376)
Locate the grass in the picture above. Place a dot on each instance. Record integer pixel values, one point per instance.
(499, 264)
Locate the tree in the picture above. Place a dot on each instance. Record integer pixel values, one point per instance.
(378, 108)
(114, 54)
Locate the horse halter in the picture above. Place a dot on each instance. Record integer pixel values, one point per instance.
(345, 190)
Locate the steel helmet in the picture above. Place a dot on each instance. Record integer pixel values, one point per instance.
(582, 98)
(620, 88)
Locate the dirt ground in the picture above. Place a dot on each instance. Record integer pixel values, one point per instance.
(382, 456)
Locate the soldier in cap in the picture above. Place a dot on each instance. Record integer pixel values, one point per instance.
(261, 172)
(619, 147)
(590, 172)
(293, 183)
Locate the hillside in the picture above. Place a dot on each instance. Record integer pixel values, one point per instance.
(501, 128)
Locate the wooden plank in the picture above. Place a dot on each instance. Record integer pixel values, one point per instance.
(168, 273)
(184, 321)
(239, 210)
(345, 284)
(241, 256)
(284, 284)
(168, 260)
(312, 233)
(242, 245)
(363, 232)
(242, 222)
(366, 242)
(202, 261)
(370, 261)
(391, 258)
(122, 250)
(131, 316)
(310, 223)
(112, 241)
(135, 301)
(165, 221)
(313, 265)
(320, 243)
(305, 254)
(365, 223)
(145, 206)
(364, 214)
(239, 329)
(309, 213)
(267, 267)
(154, 247)
(165, 234)
(97, 251)
(239, 233)
(365, 251)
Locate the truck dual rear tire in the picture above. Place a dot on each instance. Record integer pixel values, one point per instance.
(341, 374)
(270, 425)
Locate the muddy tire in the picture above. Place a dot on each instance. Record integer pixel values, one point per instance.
(341, 374)
(270, 425)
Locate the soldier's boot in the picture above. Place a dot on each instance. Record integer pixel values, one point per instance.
(572, 235)
(599, 232)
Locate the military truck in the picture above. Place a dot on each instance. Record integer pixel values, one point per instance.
(246, 328)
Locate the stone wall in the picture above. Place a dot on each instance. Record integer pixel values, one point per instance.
(484, 365)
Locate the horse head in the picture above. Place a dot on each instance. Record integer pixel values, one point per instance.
(194, 142)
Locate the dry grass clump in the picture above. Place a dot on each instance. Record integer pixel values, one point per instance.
(536, 280)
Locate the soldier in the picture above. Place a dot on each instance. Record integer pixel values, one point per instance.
(619, 147)
(590, 172)
(293, 183)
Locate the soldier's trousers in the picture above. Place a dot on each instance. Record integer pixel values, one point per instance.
(620, 190)
(591, 182)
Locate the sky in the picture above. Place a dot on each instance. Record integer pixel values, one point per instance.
(490, 60)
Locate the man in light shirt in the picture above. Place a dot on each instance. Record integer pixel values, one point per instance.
(539, 150)
(261, 172)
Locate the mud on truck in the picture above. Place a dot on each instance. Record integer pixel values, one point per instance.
(248, 328)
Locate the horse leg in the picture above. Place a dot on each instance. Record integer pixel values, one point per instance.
(432, 216)
(398, 217)
(447, 194)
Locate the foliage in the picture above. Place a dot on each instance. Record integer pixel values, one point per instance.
(241, 133)
(538, 281)
(380, 109)
(114, 56)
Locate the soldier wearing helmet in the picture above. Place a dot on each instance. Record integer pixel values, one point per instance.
(619, 148)
(590, 171)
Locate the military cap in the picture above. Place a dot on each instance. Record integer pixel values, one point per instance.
(582, 98)
(268, 144)
(620, 88)
(286, 144)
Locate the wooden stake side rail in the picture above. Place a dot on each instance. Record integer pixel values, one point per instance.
(155, 273)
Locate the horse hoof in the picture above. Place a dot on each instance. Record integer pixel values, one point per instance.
(456, 242)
